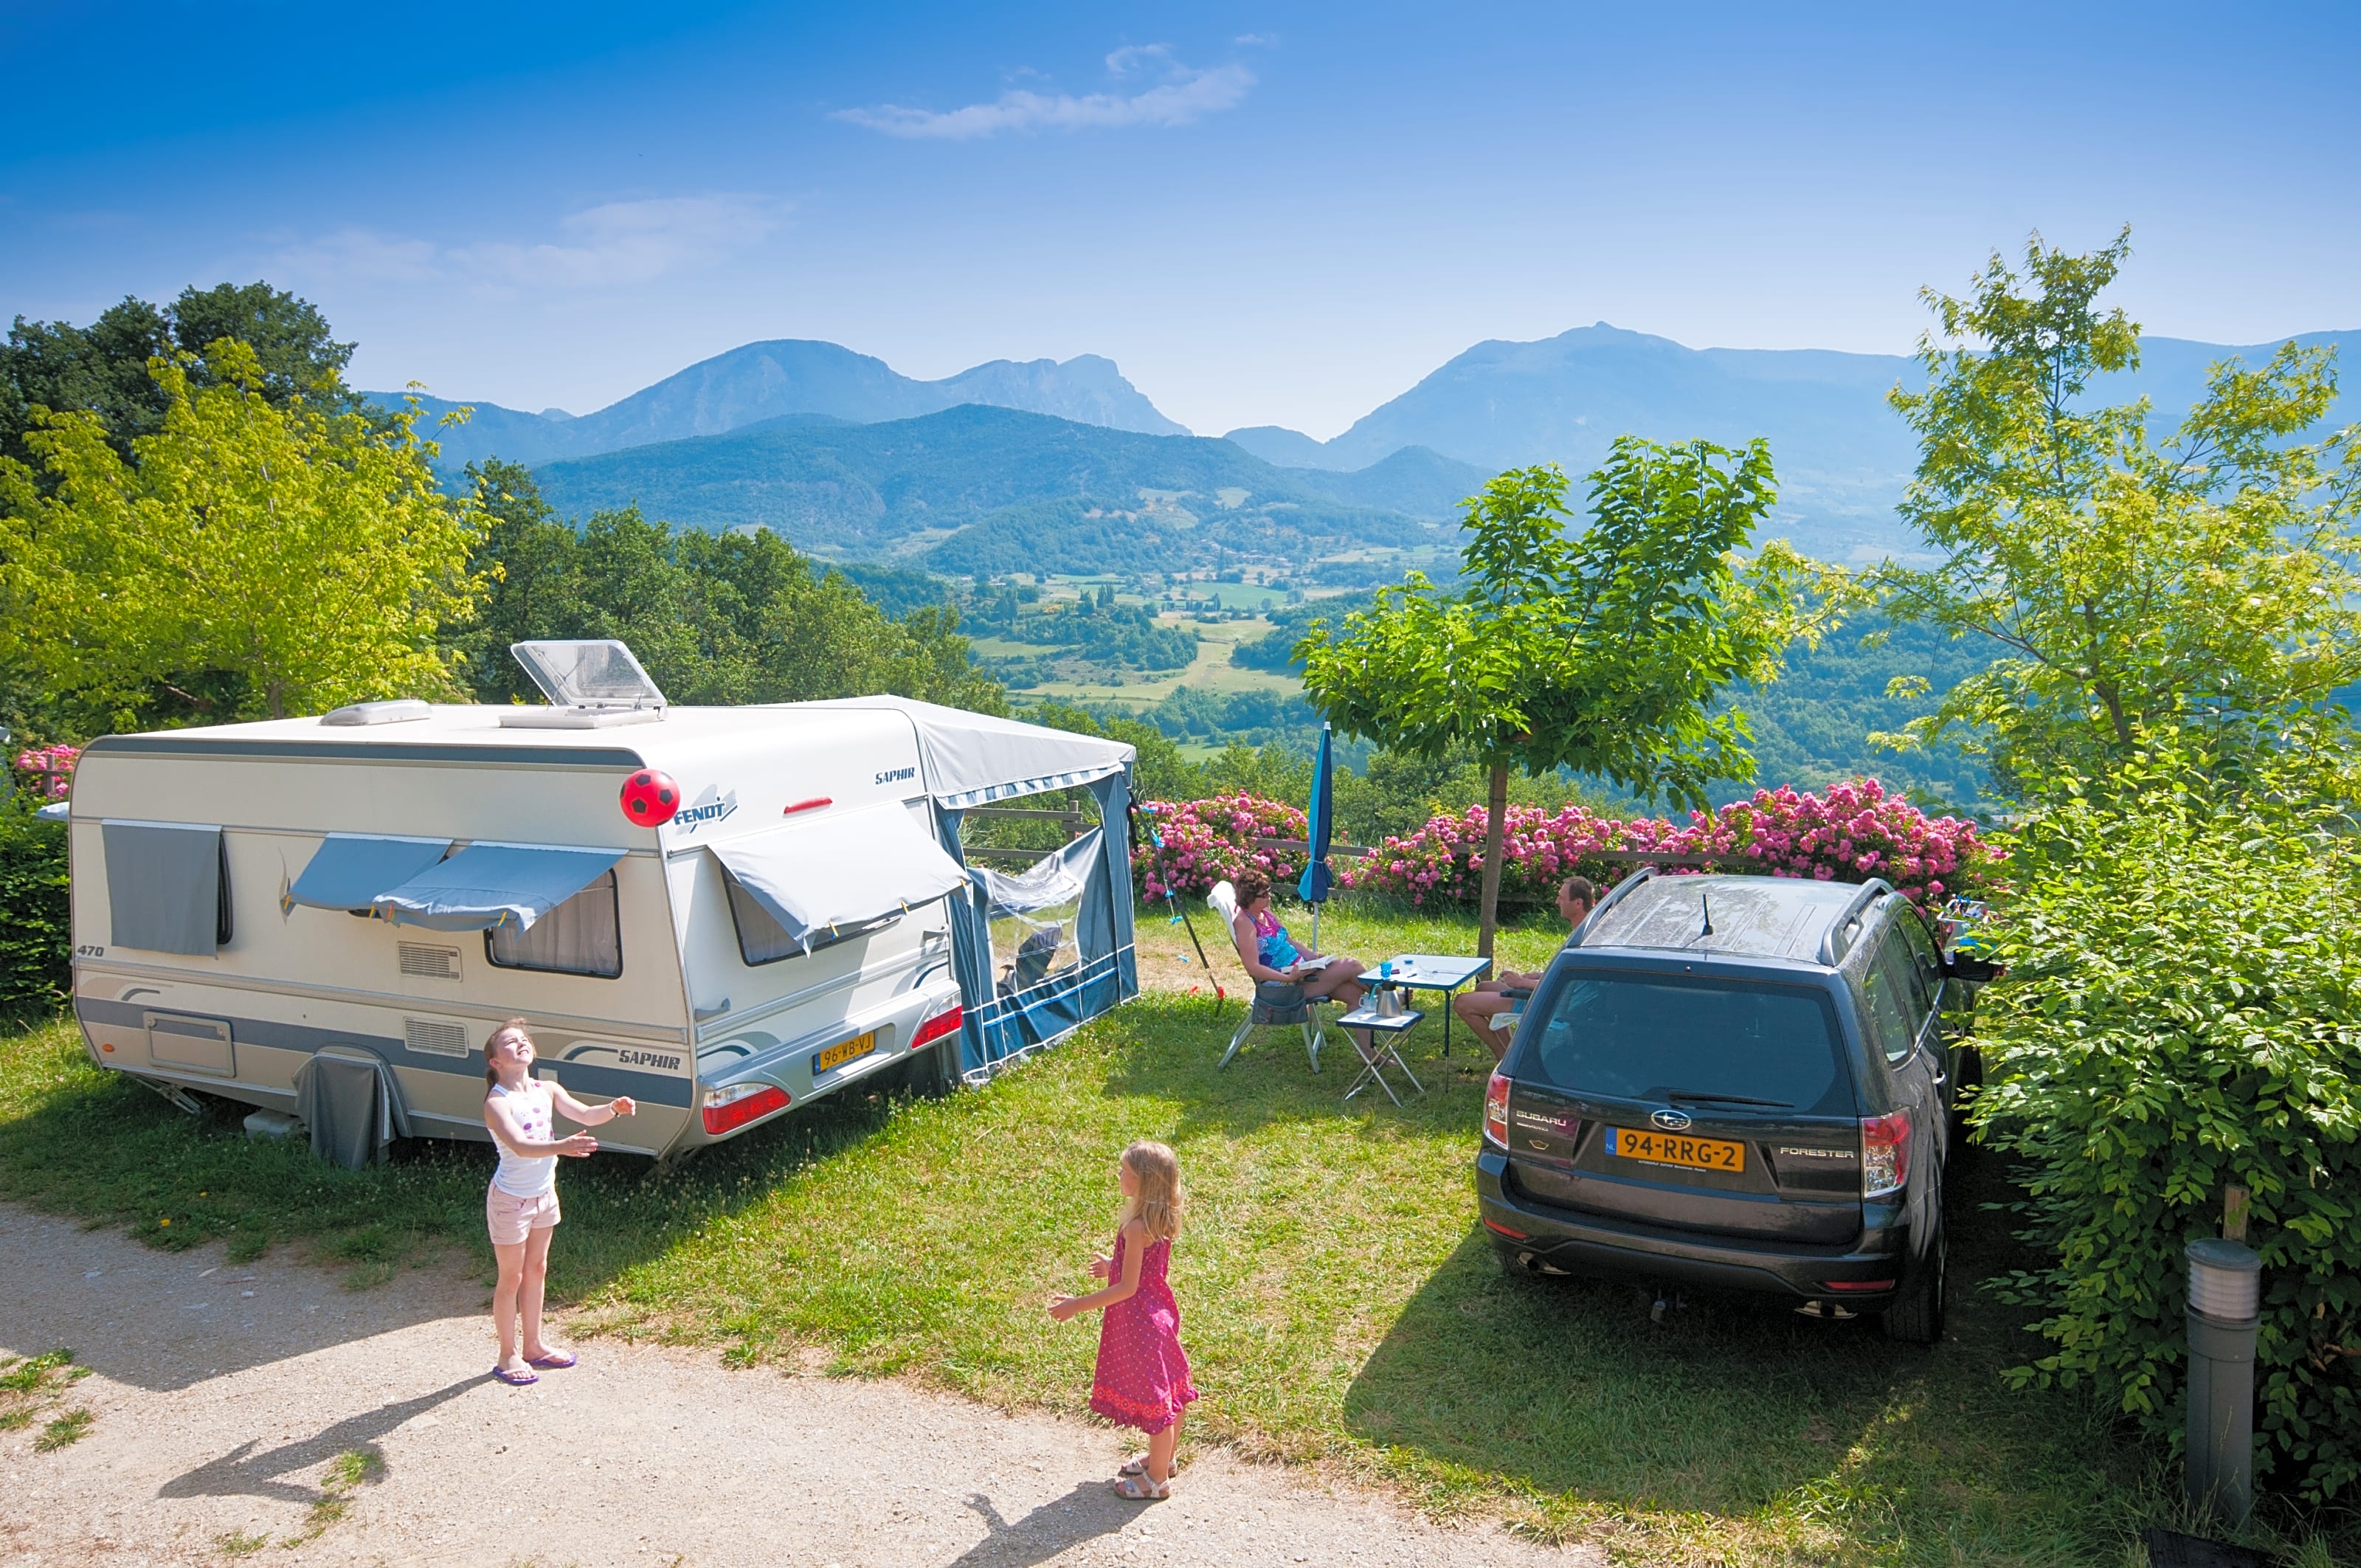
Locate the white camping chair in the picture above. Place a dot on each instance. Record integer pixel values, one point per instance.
(1273, 1002)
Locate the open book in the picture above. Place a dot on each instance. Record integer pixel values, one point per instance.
(1303, 969)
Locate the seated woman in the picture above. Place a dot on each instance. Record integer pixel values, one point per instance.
(1479, 1005)
(1270, 956)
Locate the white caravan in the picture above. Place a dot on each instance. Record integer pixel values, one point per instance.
(387, 882)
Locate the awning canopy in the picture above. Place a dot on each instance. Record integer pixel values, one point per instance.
(842, 870)
(971, 758)
(348, 871)
(490, 884)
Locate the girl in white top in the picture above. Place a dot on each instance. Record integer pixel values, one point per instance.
(520, 1207)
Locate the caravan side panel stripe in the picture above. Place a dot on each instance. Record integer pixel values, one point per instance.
(359, 752)
(656, 1088)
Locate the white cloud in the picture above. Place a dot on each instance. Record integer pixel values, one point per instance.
(611, 244)
(626, 242)
(1183, 96)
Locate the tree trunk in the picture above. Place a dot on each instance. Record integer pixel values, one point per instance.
(1496, 834)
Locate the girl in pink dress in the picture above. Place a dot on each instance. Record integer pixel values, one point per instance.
(1143, 1377)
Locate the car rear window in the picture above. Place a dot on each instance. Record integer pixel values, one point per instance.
(1629, 1037)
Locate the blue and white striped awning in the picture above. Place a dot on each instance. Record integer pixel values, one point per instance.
(971, 758)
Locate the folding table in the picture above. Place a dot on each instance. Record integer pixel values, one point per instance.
(1386, 1030)
(1433, 971)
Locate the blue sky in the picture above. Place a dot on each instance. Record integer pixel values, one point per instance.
(1266, 214)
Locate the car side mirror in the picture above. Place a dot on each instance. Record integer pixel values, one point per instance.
(1961, 968)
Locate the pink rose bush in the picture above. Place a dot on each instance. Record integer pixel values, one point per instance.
(50, 769)
(1848, 832)
(1206, 841)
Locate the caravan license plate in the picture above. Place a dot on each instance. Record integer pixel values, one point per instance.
(837, 1056)
(1671, 1149)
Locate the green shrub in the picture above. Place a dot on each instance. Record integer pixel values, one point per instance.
(35, 920)
(2182, 1013)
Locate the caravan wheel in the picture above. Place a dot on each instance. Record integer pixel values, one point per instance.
(930, 1074)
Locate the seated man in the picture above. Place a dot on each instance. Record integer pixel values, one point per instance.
(1270, 955)
(1478, 1006)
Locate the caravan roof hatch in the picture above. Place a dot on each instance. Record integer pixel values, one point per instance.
(590, 685)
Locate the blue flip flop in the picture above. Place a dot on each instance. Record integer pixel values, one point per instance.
(556, 1361)
(515, 1379)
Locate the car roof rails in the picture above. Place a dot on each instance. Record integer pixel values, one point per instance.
(1871, 892)
(1614, 897)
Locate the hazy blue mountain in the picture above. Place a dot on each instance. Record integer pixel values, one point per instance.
(1288, 448)
(795, 377)
(1416, 479)
(981, 490)
(1843, 456)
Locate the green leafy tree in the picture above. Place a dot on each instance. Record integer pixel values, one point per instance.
(530, 567)
(2203, 584)
(1599, 649)
(282, 557)
(102, 369)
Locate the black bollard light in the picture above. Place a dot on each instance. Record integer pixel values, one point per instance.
(2225, 1295)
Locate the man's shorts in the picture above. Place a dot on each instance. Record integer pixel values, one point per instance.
(510, 1218)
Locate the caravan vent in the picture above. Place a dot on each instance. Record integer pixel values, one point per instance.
(435, 1037)
(427, 962)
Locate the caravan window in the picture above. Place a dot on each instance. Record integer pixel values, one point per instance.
(762, 940)
(168, 887)
(582, 935)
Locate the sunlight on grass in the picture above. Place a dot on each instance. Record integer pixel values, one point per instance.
(1340, 1306)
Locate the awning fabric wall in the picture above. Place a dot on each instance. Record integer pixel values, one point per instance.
(348, 871)
(490, 884)
(842, 870)
(163, 886)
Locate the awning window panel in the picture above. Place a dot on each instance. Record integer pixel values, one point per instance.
(487, 885)
(829, 876)
(166, 889)
(349, 870)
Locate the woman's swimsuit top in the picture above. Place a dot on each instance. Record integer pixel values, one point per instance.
(1272, 944)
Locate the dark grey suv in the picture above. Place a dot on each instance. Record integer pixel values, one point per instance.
(1740, 1081)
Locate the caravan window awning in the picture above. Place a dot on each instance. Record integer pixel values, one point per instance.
(349, 870)
(488, 885)
(842, 870)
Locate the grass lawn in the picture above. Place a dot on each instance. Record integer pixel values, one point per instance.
(1339, 1303)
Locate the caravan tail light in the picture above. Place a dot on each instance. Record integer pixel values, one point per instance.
(1884, 1153)
(1495, 1109)
(936, 1028)
(727, 1110)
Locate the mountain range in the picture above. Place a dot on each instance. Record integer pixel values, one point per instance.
(763, 435)
(761, 381)
(980, 490)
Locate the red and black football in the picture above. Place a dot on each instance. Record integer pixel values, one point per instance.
(650, 798)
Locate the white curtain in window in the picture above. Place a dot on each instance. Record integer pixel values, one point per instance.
(581, 936)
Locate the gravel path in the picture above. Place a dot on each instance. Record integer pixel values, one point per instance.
(222, 1392)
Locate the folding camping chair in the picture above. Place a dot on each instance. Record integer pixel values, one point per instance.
(1273, 1002)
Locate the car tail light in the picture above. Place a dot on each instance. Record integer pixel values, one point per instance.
(1496, 1108)
(1491, 1224)
(936, 1028)
(727, 1110)
(1856, 1284)
(1884, 1153)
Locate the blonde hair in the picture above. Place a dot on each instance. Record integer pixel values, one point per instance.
(514, 1026)
(1161, 1200)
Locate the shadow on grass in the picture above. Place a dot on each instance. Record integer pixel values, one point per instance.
(1171, 1051)
(1734, 1403)
(78, 1141)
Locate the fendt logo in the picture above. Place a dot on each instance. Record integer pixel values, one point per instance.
(895, 775)
(710, 806)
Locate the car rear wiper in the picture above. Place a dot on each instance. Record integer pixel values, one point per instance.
(1694, 1096)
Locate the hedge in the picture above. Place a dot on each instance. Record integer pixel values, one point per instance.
(36, 930)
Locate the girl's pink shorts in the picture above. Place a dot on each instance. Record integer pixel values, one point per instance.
(510, 1217)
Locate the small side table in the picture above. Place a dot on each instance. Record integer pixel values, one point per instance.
(1386, 1031)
